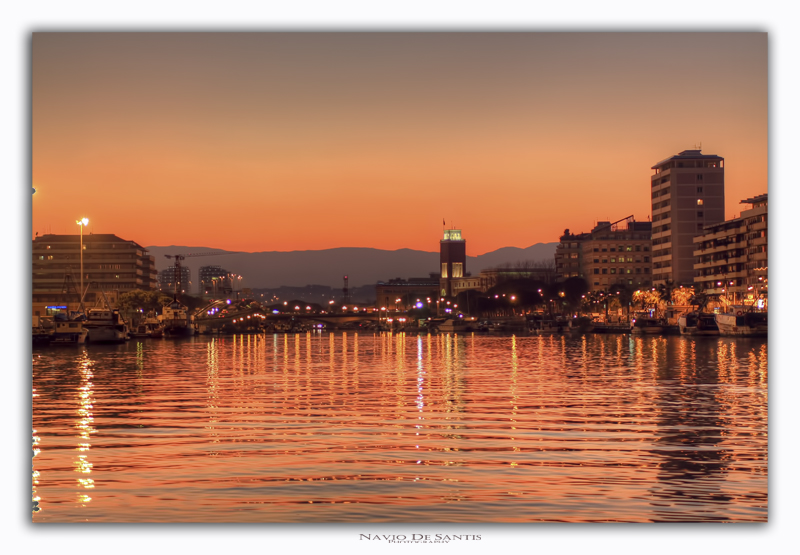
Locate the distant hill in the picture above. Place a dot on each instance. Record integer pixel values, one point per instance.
(364, 266)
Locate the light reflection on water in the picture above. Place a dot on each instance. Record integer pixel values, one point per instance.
(351, 427)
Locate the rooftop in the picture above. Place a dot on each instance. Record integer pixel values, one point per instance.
(688, 155)
(754, 200)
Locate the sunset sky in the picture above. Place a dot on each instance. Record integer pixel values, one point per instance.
(299, 141)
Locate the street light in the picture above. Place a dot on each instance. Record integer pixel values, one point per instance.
(83, 222)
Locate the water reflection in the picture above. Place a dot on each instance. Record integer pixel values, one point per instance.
(391, 427)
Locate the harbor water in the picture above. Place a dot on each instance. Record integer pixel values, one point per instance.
(347, 427)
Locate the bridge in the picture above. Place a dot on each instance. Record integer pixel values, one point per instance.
(257, 317)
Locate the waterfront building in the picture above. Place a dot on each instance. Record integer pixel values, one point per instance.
(687, 193)
(452, 259)
(618, 253)
(402, 294)
(569, 255)
(731, 256)
(167, 277)
(612, 253)
(110, 264)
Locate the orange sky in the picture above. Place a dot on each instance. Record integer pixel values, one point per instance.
(295, 141)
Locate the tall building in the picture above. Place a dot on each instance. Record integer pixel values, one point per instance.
(687, 193)
(613, 253)
(731, 256)
(210, 279)
(569, 255)
(453, 260)
(167, 277)
(110, 264)
(618, 254)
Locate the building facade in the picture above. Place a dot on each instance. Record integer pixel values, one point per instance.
(731, 256)
(687, 193)
(618, 254)
(110, 264)
(213, 279)
(166, 280)
(403, 294)
(452, 259)
(569, 255)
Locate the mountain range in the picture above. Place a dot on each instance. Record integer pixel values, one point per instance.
(327, 267)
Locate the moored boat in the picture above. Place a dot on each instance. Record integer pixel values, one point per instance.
(149, 327)
(69, 331)
(742, 321)
(176, 320)
(698, 323)
(105, 325)
(647, 325)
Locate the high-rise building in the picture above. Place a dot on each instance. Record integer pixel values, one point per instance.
(618, 254)
(731, 256)
(613, 253)
(110, 264)
(167, 277)
(569, 255)
(687, 193)
(452, 258)
(210, 279)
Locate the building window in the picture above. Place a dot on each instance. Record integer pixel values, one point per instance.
(638, 248)
(444, 271)
(458, 269)
(613, 260)
(613, 249)
(597, 270)
(699, 189)
(630, 259)
(605, 270)
(574, 255)
(613, 270)
(647, 259)
(699, 202)
(699, 213)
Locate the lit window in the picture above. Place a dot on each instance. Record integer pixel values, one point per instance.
(458, 269)
(444, 270)
(699, 202)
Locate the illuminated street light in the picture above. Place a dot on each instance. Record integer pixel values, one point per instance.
(83, 222)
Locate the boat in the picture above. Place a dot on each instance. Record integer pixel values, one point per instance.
(105, 325)
(176, 320)
(742, 321)
(69, 330)
(647, 325)
(41, 334)
(149, 327)
(452, 326)
(547, 327)
(698, 323)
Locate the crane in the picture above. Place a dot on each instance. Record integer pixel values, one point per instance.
(179, 257)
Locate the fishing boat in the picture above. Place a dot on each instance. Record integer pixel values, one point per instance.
(41, 334)
(105, 325)
(698, 323)
(149, 327)
(647, 325)
(176, 319)
(69, 330)
(742, 321)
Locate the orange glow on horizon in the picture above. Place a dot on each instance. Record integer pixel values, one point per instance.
(305, 141)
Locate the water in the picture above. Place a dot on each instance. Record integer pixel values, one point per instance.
(389, 428)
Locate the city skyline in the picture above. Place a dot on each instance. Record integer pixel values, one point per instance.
(309, 141)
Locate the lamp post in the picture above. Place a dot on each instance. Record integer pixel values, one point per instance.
(82, 223)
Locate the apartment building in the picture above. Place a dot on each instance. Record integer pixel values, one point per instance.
(110, 264)
(569, 255)
(167, 277)
(687, 193)
(731, 256)
(618, 253)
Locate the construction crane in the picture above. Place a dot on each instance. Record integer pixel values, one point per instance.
(179, 257)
